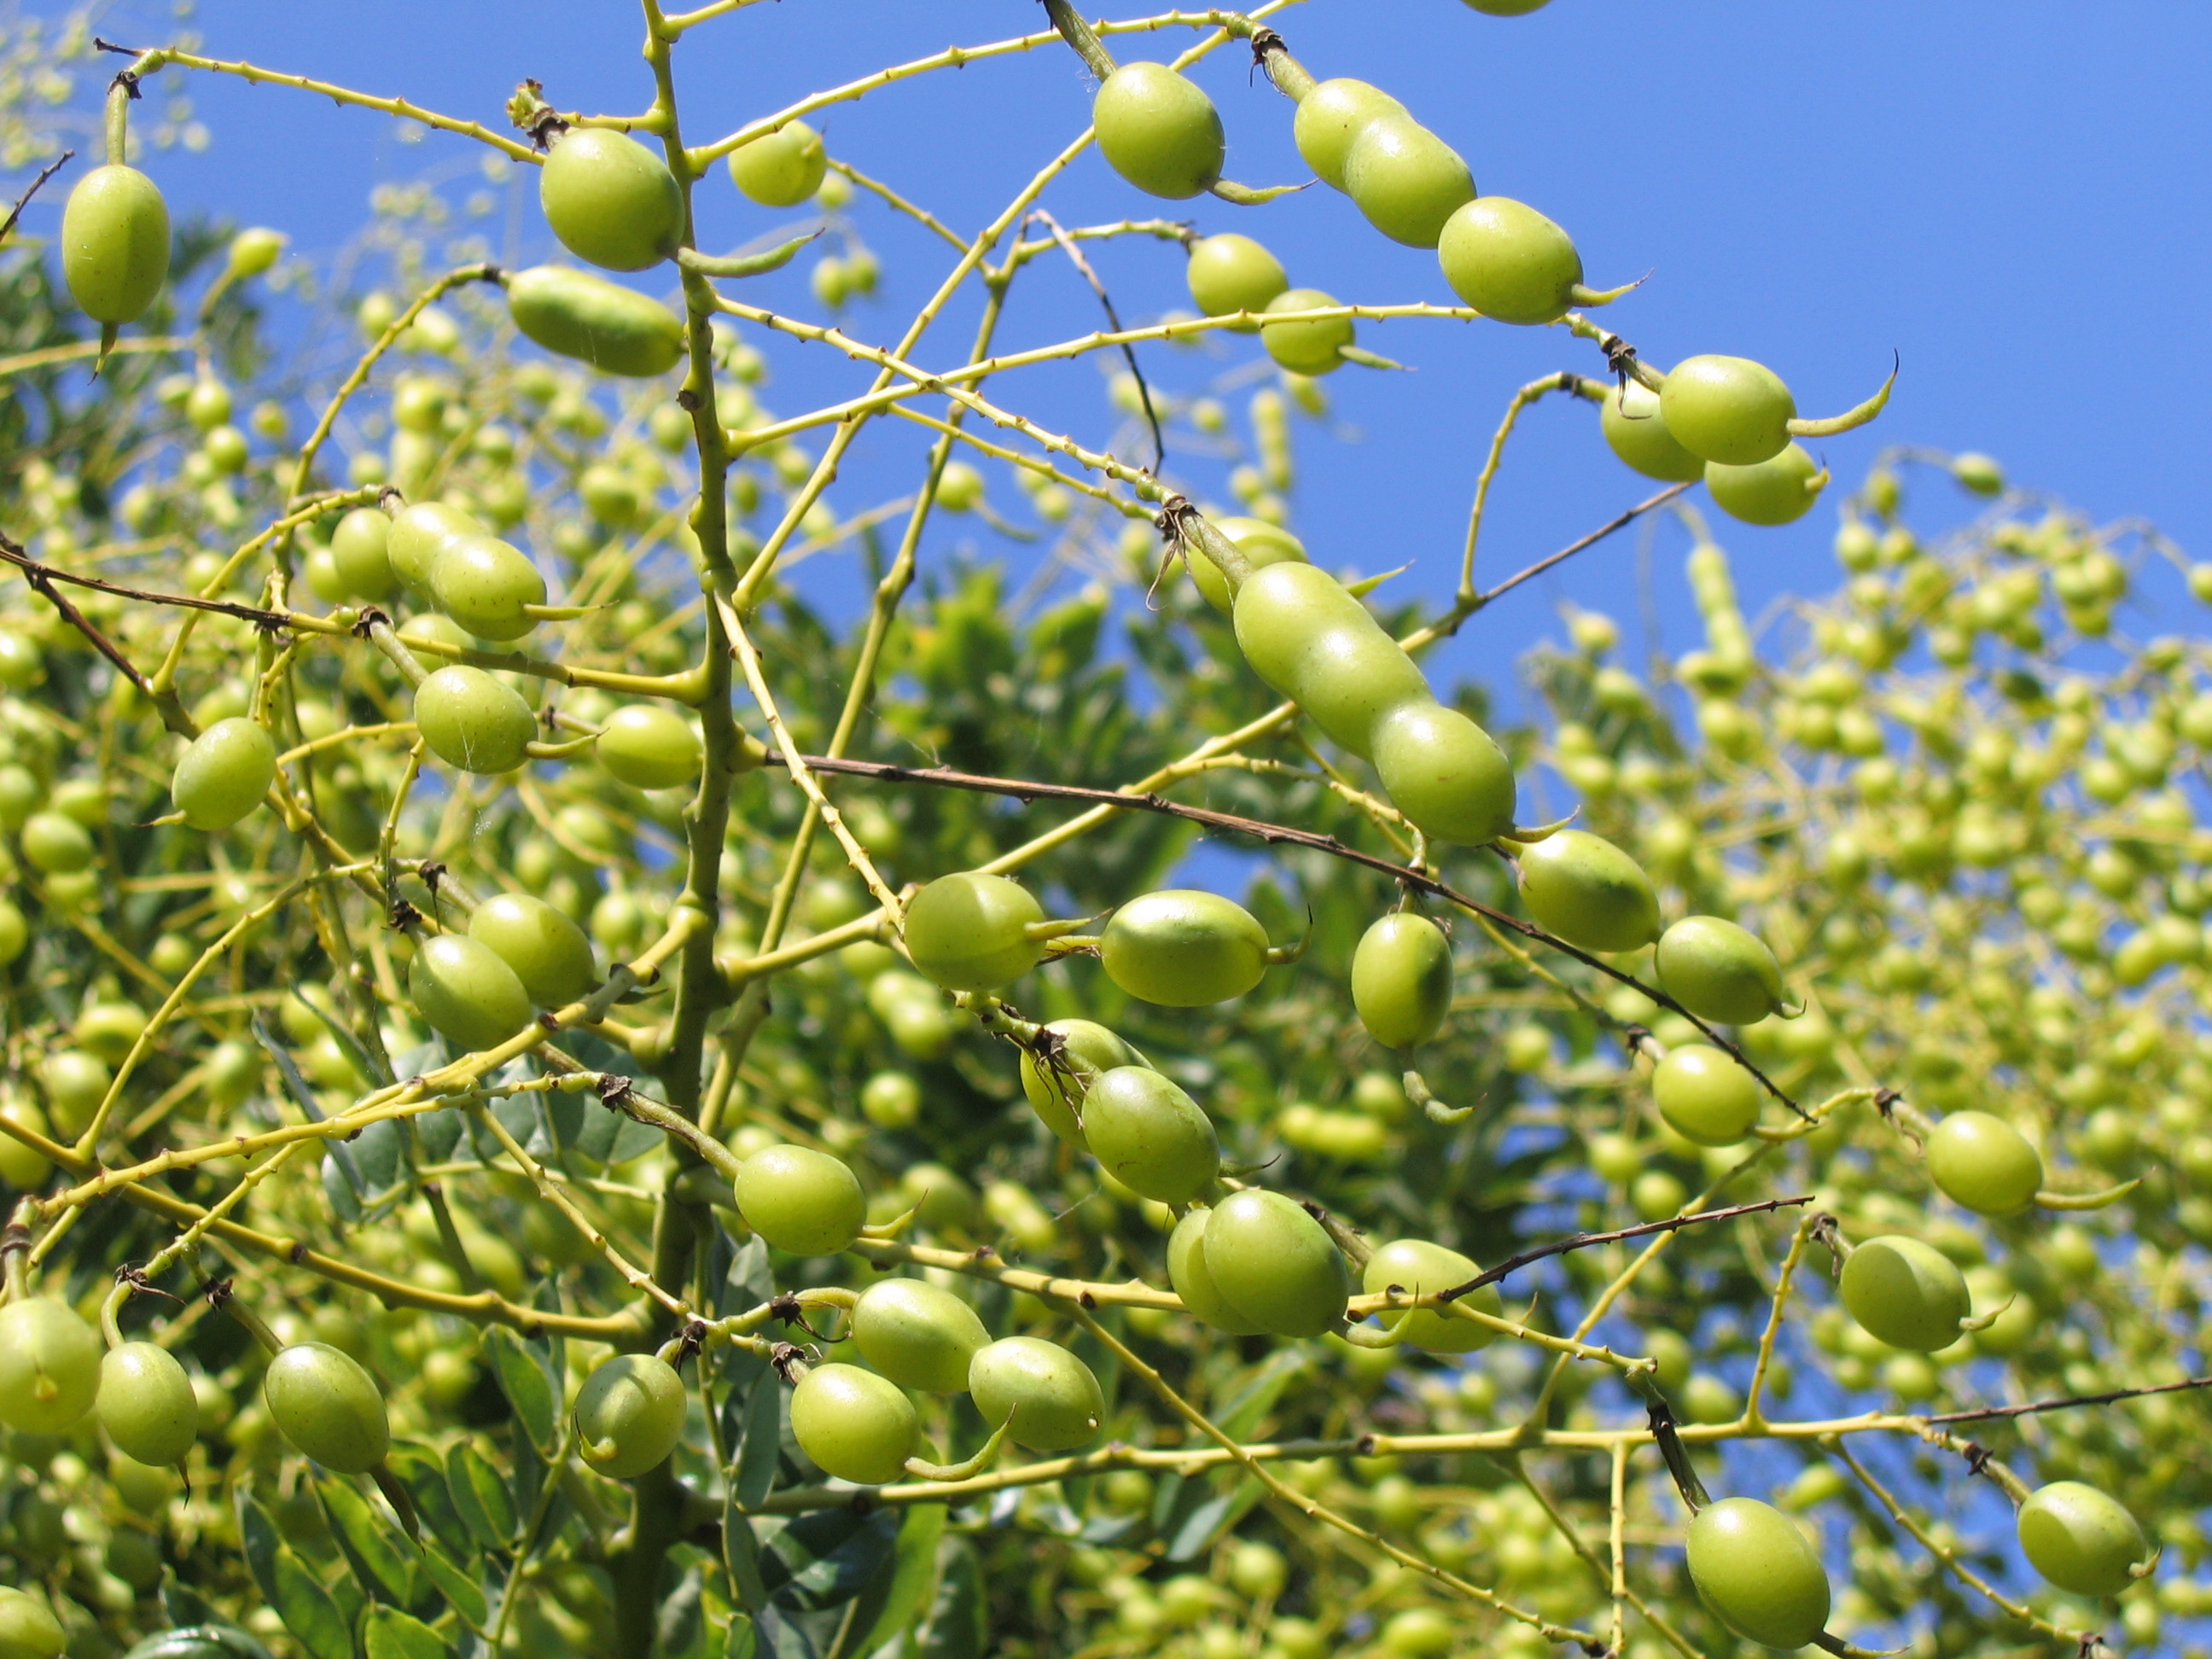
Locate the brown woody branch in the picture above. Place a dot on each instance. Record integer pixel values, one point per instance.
(2069, 1401)
(8, 224)
(1584, 1241)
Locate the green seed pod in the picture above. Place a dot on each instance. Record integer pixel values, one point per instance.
(465, 991)
(1052, 1396)
(649, 747)
(1445, 773)
(1909, 1294)
(858, 1426)
(1729, 410)
(1721, 972)
(115, 244)
(1636, 430)
(972, 932)
(1401, 979)
(473, 721)
(1330, 117)
(56, 844)
(358, 553)
(1780, 490)
(548, 952)
(224, 775)
(1756, 1570)
(611, 200)
(1506, 7)
(417, 533)
(1315, 347)
(918, 1334)
(27, 1629)
(1310, 639)
(1983, 1163)
(616, 330)
(49, 1365)
(1275, 1265)
(1419, 1267)
(254, 249)
(1231, 273)
(1149, 1135)
(1260, 543)
(1704, 1095)
(801, 1201)
(2080, 1539)
(1406, 179)
(1086, 1048)
(484, 583)
(147, 1405)
(1180, 948)
(1509, 261)
(328, 1407)
(1187, 1275)
(1159, 131)
(782, 168)
(1588, 891)
(629, 1415)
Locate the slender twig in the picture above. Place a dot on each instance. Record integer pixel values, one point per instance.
(45, 172)
(1584, 1241)
(2066, 1403)
(1129, 352)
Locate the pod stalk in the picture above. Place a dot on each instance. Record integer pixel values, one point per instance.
(1852, 418)
(1080, 35)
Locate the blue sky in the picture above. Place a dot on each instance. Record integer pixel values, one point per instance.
(2009, 197)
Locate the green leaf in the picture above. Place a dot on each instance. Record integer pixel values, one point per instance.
(741, 1555)
(308, 1610)
(462, 1592)
(1209, 1520)
(481, 1498)
(743, 1641)
(825, 1557)
(907, 1585)
(762, 1444)
(392, 1634)
(527, 1384)
(258, 1535)
(383, 1570)
(957, 1628)
(424, 1477)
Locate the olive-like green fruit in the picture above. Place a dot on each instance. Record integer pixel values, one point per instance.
(629, 1415)
(1721, 972)
(1310, 638)
(970, 931)
(858, 1426)
(548, 953)
(417, 534)
(115, 244)
(2080, 1539)
(611, 200)
(1420, 1269)
(1509, 261)
(29, 1628)
(328, 1407)
(56, 844)
(465, 991)
(1260, 543)
(473, 721)
(1180, 948)
(75, 1083)
(360, 552)
(1275, 1265)
(1588, 891)
(1444, 772)
(801, 1201)
(1909, 1294)
(49, 1365)
(1159, 131)
(1149, 1135)
(1406, 179)
(780, 168)
(1635, 429)
(1983, 1163)
(146, 1403)
(1780, 490)
(1730, 410)
(649, 747)
(224, 774)
(1704, 1095)
(1057, 1091)
(484, 583)
(616, 330)
(1052, 1396)
(918, 1334)
(1756, 1570)
(1506, 7)
(1315, 346)
(1188, 1275)
(1330, 117)
(1401, 979)
(1229, 273)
